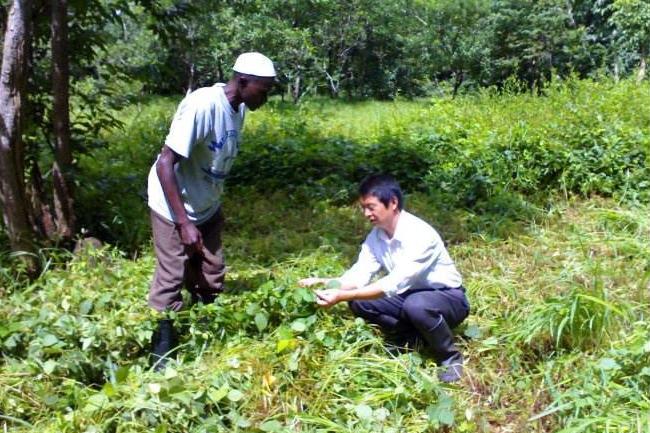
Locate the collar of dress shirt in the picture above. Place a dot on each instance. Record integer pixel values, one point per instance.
(400, 229)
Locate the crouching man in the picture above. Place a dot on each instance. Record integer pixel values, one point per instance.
(421, 297)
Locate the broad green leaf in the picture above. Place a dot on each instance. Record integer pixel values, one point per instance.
(285, 333)
(85, 307)
(9, 329)
(243, 422)
(96, 402)
(298, 326)
(307, 295)
(333, 284)
(109, 389)
(50, 400)
(235, 395)
(446, 417)
(184, 397)
(49, 340)
(440, 415)
(473, 331)
(122, 374)
(363, 411)
(272, 426)
(441, 412)
(608, 364)
(381, 414)
(216, 395)
(49, 366)
(252, 308)
(285, 344)
(261, 321)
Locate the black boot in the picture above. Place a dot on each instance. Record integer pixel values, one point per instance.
(163, 341)
(441, 342)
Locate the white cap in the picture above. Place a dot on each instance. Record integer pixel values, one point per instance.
(254, 64)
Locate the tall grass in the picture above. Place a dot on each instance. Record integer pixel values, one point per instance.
(75, 346)
(483, 152)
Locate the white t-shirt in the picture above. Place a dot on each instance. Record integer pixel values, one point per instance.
(414, 258)
(206, 133)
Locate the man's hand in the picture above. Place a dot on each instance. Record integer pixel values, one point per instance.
(329, 297)
(191, 237)
(312, 281)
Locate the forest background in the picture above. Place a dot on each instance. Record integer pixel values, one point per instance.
(518, 128)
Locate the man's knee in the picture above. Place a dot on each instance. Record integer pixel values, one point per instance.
(420, 312)
(364, 309)
(356, 308)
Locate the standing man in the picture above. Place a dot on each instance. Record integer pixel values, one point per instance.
(421, 296)
(185, 187)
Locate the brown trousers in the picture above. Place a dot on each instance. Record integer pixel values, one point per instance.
(202, 274)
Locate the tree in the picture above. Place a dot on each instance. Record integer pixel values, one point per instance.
(631, 20)
(532, 39)
(12, 97)
(62, 166)
(457, 42)
(36, 124)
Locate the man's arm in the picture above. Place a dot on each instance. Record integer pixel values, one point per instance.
(353, 282)
(329, 297)
(318, 281)
(190, 235)
(344, 291)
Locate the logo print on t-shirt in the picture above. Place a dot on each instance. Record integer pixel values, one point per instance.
(225, 151)
(214, 145)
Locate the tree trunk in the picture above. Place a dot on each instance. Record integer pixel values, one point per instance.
(640, 75)
(333, 87)
(459, 77)
(12, 87)
(296, 90)
(62, 167)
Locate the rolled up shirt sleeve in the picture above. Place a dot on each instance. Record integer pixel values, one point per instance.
(415, 263)
(192, 123)
(362, 271)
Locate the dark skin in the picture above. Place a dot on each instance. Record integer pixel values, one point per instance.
(252, 91)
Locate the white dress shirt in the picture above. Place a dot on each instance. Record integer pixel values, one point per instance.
(414, 258)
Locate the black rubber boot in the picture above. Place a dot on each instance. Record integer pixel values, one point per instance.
(163, 341)
(441, 343)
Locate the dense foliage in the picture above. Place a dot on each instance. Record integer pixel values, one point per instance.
(558, 320)
(382, 49)
(120, 50)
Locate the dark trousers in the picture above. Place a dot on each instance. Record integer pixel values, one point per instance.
(415, 314)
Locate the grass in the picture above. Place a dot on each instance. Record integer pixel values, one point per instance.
(83, 329)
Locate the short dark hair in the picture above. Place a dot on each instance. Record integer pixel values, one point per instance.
(384, 187)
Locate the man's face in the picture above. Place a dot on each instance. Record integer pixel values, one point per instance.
(377, 213)
(255, 92)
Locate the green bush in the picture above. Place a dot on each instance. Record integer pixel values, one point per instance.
(580, 137)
